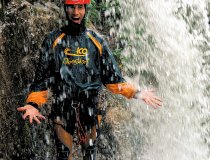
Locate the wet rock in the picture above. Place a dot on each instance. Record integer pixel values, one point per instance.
(21, 35)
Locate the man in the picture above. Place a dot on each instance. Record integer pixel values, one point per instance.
(75, 63)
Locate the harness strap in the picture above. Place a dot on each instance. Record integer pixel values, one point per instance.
(82, 137)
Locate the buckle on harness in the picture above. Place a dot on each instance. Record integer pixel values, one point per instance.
(75, 104)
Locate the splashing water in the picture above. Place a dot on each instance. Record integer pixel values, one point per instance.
(165, 43)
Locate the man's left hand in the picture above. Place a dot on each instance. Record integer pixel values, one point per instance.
(149, 97)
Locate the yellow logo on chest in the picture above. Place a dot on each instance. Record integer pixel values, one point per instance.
(80, 52)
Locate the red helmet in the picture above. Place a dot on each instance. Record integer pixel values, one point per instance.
(77, 1)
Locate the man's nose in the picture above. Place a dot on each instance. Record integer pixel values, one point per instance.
(76, 11)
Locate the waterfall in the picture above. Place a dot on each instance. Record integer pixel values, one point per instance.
(166, 46)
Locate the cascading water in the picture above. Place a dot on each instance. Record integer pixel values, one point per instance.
(166, 46)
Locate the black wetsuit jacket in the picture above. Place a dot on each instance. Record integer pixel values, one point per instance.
(74, 66)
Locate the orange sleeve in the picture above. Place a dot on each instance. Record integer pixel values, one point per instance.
(40, 98)
(126, 89)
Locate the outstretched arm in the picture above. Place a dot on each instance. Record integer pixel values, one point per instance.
(128, 90)
(39, 89)
(113, 80)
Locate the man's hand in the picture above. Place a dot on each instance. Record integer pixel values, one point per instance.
(149, 97)
(32, 113)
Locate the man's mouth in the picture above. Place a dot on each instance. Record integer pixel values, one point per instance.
(75, 19)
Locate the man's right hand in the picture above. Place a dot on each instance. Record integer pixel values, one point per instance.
(32, 113)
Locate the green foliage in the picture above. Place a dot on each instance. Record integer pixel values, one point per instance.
(96, 15)
(114, 8)
(117, 54)
(94, 12)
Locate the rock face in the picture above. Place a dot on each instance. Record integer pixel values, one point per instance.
(21, 33)
(22, 29)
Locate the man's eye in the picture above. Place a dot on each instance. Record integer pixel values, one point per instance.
(80, 6)
(69, 7)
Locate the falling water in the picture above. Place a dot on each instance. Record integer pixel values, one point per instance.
(166, 46)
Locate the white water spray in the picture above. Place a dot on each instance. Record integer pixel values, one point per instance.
(165, 43)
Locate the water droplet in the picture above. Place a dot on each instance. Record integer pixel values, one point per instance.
(76, 44)
(91, 142)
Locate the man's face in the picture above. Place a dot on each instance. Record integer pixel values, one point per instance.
(76, 12)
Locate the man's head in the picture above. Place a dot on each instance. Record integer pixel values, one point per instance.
(76, 10)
